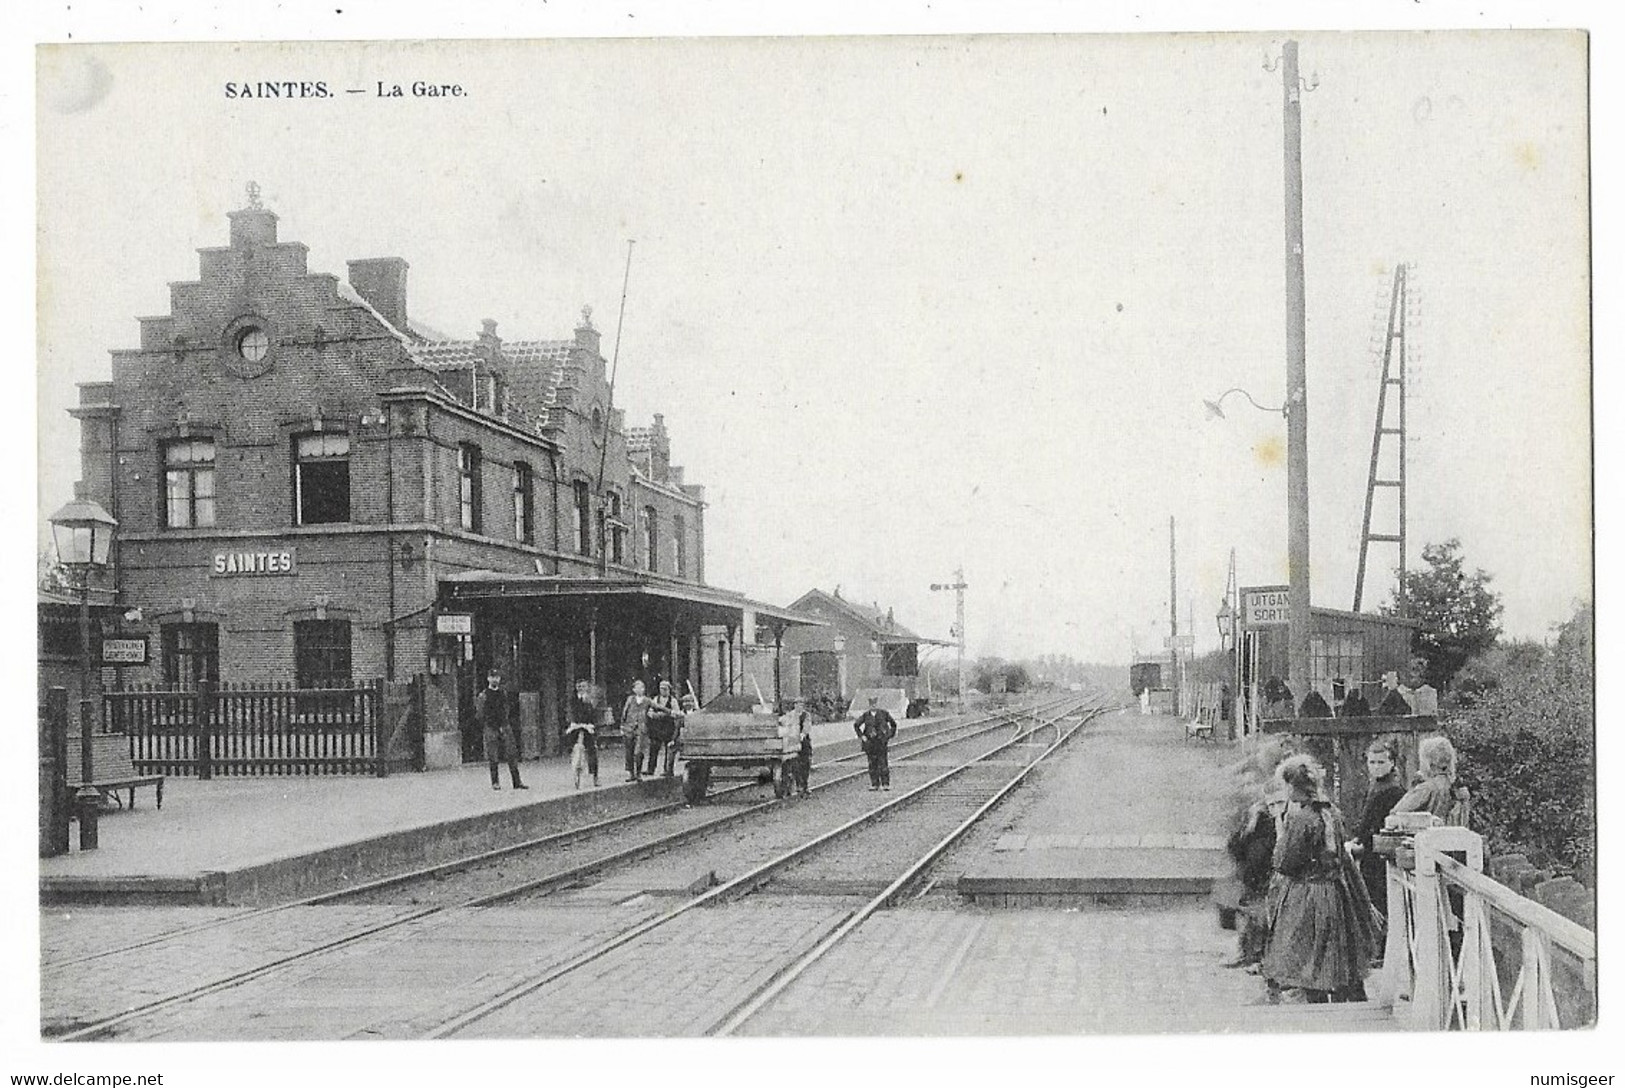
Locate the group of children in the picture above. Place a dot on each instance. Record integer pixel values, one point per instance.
(1315, 896)
(650, 727)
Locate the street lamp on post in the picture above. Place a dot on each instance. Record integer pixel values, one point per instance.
(1297, 521)
(83, 534)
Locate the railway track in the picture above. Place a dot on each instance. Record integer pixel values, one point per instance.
(567, 837)
(959, 807)
(387, 908)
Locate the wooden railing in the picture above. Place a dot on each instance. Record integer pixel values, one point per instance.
(1465, 953)
(250, 729)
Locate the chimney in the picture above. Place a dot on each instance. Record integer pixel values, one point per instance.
(659, 449)
(253, 224)
(252, 227)
(586, 333)
(382, 282)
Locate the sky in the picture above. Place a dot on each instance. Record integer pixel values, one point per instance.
(913, 304)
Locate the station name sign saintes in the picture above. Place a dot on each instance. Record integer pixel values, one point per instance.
(252, 563)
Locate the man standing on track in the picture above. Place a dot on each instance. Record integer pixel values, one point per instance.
(491, 710)
(875, 729)
(795, 726)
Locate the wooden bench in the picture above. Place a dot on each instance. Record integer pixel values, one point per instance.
(112, 768)
(1200, 726)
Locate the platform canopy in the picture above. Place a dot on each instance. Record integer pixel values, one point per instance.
(705, 604)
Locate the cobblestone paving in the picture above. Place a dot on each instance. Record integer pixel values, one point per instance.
(677, 981)
(77, 993)
(399, 986)
(967, 971)
(70, 932)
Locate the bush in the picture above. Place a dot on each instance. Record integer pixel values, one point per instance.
(1527, 750)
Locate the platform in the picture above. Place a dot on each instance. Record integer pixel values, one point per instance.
(251, 841)
(1127, 810)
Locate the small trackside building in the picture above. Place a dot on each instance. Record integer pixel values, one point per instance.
(858, 647)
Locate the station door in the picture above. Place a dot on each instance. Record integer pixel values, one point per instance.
(820, 675)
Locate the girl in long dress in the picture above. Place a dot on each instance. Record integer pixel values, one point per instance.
(1321, 939)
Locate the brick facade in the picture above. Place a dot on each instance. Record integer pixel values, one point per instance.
(260, 354)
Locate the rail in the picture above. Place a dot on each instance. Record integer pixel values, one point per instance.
(100, 1028)
(1469, 954)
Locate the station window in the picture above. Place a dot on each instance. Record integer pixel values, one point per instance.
(583, 507)
(189, 483)
(617, 530)
(191, 654)
(524, 503)
(468, 486)
(321, 653)
(679, 553)
(321, 478)
(651, 539)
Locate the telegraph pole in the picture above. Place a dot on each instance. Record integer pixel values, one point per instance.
(958, 586)
(1173, 616)
(609, 414)
(1297, 395)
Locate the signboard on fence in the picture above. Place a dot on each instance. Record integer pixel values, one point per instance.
(1266, 606)
(124, 651)
(454, 623)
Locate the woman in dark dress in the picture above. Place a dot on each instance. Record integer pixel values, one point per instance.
(1321, 940)
(1382, 792)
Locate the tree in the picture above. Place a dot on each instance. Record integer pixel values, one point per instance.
(1458, 612)
(1527, 748)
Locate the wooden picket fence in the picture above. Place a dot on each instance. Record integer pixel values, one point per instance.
(251, 729)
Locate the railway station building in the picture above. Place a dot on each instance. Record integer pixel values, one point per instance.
(315, 489)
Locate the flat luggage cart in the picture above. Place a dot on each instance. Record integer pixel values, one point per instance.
(739, 737)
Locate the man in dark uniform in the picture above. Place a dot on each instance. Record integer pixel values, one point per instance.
(491, 710)
(875, 729)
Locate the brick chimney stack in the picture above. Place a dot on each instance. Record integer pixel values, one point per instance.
(659, 449)
(254, 225)
(382, 282)
(586, 332)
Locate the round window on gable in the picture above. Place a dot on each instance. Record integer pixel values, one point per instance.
(253, 345)
(247, 348)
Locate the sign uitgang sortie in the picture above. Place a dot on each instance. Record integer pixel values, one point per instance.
(1269, 606)
(262, 564)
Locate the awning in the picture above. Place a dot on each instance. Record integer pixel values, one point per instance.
(713, 606)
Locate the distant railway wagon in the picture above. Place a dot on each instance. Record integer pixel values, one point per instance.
(1143, 675)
